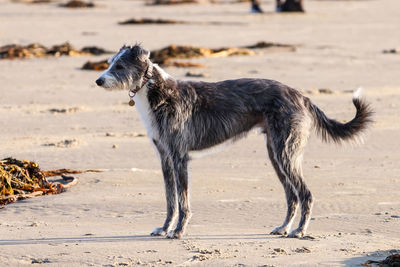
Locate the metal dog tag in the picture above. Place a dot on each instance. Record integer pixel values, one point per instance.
(131, 96)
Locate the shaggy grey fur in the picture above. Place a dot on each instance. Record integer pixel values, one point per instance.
(186, 116)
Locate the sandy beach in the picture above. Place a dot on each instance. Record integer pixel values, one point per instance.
(52, 112)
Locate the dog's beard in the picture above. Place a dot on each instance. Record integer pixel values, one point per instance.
(113, 83)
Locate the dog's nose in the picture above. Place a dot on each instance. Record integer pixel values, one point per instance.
(100, 82)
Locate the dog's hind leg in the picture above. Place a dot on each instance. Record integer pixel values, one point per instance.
(288, 137)
(305, 197)
(182, 182)
(291, 194)
(170, 190)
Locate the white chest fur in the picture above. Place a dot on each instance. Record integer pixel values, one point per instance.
(143, 107)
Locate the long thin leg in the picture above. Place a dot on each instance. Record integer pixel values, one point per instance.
(288, 137)
(182, 182)
(170, 190)
(291, 162)
(291, 195)
(306, 200)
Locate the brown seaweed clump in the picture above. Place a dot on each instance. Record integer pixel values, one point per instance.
(94, 50)
(34, 1)
(17, 51)
(14, 51)
(77, 4)
(162, 56)
(144, 21)
(99, 66)
(149, 21)
(65, 49)
(264, 45)
(167, 56)
(24, 179)
(40, 1)
(172, 2)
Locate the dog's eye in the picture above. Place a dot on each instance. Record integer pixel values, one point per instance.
(119, 67)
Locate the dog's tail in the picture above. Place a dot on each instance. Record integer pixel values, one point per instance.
(332, 130)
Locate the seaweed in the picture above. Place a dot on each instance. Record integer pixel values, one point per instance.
(14, 51)
(144, 21)
(150, 21)
(17, 51)
(172, 2)
(20, 179)
(162, 56)
(262, 44)
(167, 56)
(77, 4)
(33, 1)
(99, 65)
(94, 50)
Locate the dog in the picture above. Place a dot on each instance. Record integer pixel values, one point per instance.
(182, 117)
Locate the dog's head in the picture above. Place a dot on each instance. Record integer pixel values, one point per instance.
(127, 68)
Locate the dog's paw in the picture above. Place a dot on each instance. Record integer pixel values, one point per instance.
(279, 231)
(296, 233)
(174, 234)
(158, 232)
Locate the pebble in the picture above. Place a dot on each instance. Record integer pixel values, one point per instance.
(303, 250)
(279, 250)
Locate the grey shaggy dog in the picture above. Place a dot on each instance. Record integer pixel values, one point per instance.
(187, 116)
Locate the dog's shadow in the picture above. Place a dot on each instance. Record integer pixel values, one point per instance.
(79, 239)
(128, 238)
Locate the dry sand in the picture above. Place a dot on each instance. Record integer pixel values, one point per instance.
(236, 198)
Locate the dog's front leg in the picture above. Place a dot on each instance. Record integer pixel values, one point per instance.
(182, 182)
(170, 190)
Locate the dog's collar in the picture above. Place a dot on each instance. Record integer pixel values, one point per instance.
(147, 76)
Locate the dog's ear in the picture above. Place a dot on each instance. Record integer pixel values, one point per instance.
(140, 53)
(144, 55)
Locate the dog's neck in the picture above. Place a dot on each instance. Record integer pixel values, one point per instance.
(160, 88)
(161, 81)
(159, 75)
(146, 77)
(148, 74)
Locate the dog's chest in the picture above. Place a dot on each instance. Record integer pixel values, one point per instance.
(147, 117)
